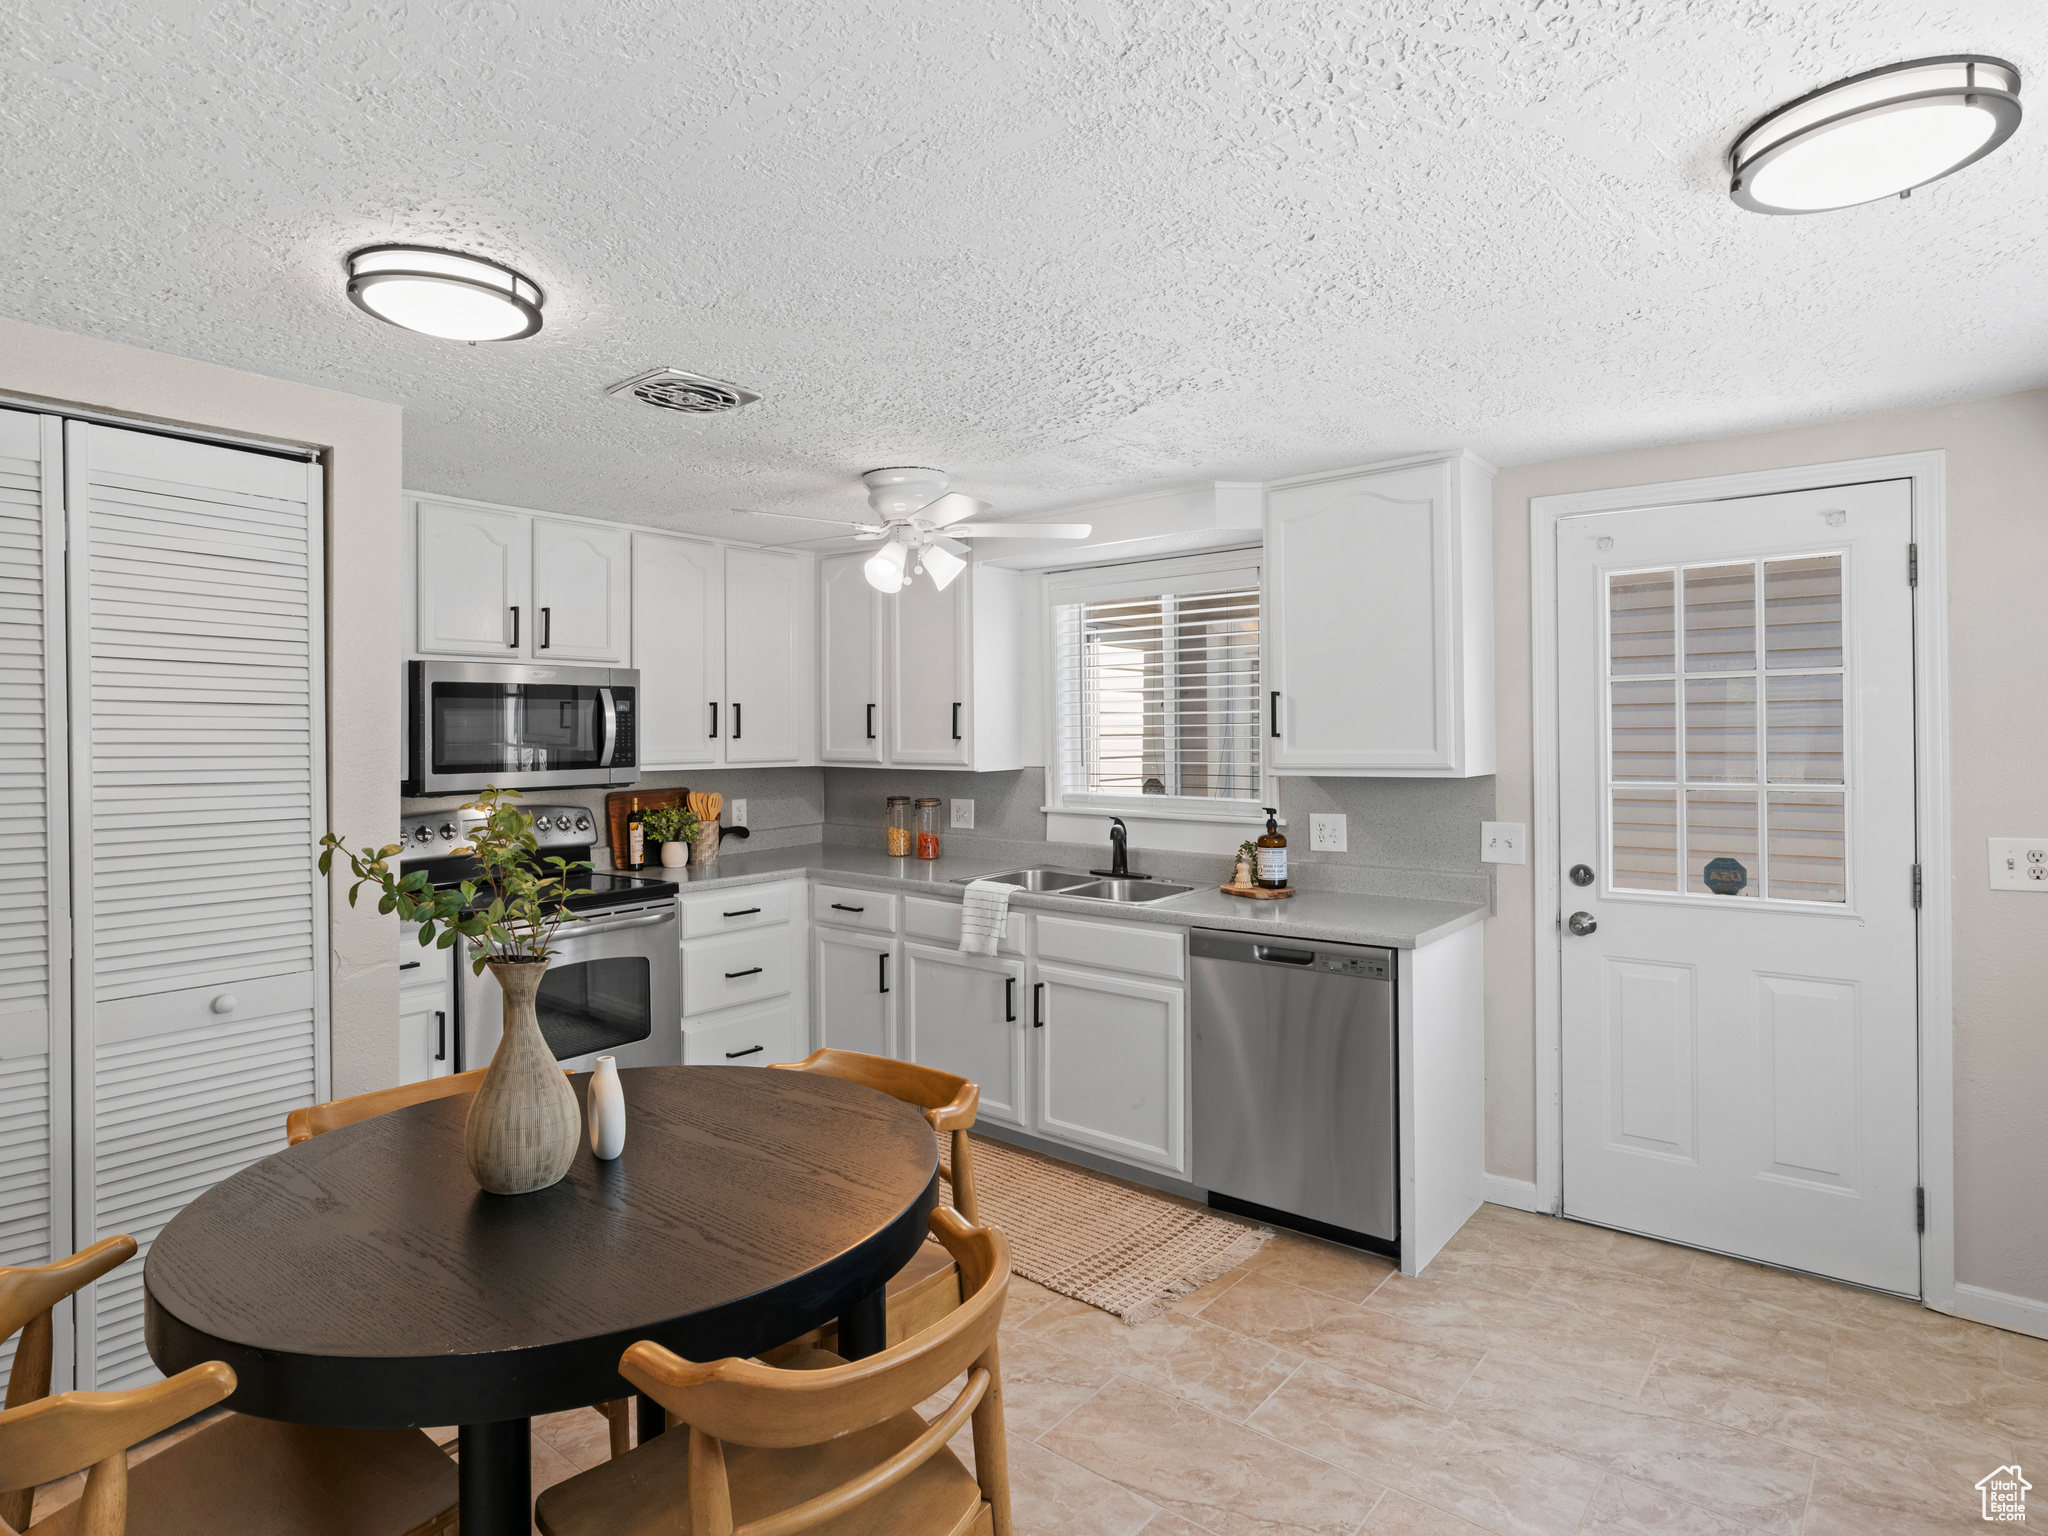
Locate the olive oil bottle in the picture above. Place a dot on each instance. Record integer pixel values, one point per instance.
(1272, 855)
(636, 837)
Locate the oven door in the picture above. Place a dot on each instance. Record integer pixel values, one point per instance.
(613, 988)
(472, 724)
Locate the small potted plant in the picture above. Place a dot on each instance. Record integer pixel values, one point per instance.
(524, 1121)
(674, 827)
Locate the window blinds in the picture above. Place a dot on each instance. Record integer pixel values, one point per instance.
(1159, 695)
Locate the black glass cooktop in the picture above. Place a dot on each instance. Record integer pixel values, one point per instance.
(604, 889)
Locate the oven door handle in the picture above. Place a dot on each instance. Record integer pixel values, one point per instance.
(574, 931)
(611, 726)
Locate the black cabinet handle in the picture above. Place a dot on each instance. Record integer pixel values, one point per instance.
(840, 906)
(714, 717)
(744, 912)
(1038, 1005)
(956, 722)
(1009, 999)
(408, 965)
(735, 719)
(440, 1035)
(515, 626)
(547, 627)
(1275, 712)
(871, 722)
(752, 1050)
(884, 958)
(752, 970)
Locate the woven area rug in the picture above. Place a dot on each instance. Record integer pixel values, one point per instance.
(1124, 1250)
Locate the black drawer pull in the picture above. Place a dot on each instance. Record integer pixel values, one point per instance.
(440, 1035)
(1038, 1005)
(1009, 999)
(744, 912)
(840, 906)
(408, 965)
(752, 1050)
(752, 970)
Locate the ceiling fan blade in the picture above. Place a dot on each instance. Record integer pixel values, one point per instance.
(1022, 530)
(950, 546)
(950, 508)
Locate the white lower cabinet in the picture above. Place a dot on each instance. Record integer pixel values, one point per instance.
(743, 976)
(1112, 1064)
(426, 1047)
(855, 991)
(967, 1014)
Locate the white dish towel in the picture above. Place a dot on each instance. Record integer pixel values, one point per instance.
(982, 915)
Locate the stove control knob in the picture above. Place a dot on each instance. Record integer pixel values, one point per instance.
(582, 823)
(420, 834)
(447, 831)
(541, 824)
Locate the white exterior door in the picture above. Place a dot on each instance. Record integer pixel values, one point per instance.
(856, 980)
(851, 706)
(581, 592)
(678, 648)
(1735, 729)
(768, 630)
(930, 665)
(966, 1014)
(475, 574)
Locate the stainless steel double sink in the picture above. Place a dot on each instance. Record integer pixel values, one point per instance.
(1065, 882)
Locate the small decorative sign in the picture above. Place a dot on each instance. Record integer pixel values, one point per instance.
(1725, 876)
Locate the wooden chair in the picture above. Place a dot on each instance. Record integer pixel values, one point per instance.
(237, 1476)
(948, 1102)
(823, 1446)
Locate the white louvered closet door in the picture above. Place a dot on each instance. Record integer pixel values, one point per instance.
(35, 1014)
(197, 778)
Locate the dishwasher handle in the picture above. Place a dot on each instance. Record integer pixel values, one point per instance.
(1283, 956)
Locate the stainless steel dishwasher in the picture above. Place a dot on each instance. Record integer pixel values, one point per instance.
(1294, 1113)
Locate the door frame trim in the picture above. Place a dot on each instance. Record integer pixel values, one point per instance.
(1928, 473)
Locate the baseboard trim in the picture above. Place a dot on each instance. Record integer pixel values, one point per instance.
(1515, 1194)
(2016, 1314)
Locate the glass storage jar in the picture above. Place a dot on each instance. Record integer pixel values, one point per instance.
(927, 829)
(899, 826)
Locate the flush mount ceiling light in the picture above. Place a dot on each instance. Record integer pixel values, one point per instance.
(1877, 134)
(443, 293)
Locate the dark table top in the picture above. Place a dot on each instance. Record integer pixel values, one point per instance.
(362, 1278)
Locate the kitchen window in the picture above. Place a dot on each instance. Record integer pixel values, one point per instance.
(1157, 704)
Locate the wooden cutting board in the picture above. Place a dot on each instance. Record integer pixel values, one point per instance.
(1256, 892)
(618, 805)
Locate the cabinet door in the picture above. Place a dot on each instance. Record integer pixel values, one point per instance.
(968, 1014)
(581, 592)
(425, 1047)
(929, 663)
(475, 579)
(1111, 1065)
(679, 648)
(1359, 613)
(850, 703)
(767, 634)
(855, 975)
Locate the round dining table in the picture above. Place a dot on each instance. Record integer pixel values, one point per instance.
(363, 1279)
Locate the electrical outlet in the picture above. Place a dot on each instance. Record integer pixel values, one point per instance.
(739, 813)
(963, 814)
(1326, 833)
(2019, 863)
(1502, 842)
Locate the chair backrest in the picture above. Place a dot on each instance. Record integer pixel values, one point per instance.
(750, 1403)
(312, 1120)
(949, 1102)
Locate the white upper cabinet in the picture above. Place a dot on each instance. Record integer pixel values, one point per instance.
(474, 568)
(581, 592)
(769, 657)
(1378, 617)
(932, 646)
(850, 663)
(679, 648)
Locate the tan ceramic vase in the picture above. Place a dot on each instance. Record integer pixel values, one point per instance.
(525, 1122)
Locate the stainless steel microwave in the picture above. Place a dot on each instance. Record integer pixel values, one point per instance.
(471, 724)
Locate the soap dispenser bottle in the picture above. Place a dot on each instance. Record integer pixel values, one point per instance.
(1272, 854)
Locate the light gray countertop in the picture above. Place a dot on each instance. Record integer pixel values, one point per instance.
(1391, 922)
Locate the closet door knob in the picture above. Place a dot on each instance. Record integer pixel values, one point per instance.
(227, 1002)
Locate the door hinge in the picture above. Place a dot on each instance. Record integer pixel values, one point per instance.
(1916, 887)
(1912, 565)
(1920, 1209)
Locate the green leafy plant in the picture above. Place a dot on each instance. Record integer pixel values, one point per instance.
(671, 824)
(1248, 852)
(529, 896)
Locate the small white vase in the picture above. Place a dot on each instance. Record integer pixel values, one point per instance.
(607, 1102)
(674, 855)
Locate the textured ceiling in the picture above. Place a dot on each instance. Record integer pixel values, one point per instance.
(1061, 249)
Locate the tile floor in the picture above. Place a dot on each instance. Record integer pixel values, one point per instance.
(1540, 1377)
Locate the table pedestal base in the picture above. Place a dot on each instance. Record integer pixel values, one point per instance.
(864, 1326)
(495, 1475)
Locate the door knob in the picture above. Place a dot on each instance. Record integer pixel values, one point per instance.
(227, 1002)
(1582, 923)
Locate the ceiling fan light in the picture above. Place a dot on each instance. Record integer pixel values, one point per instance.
(884, 568)
(1874, 135)
(942, 565)
(443, 293)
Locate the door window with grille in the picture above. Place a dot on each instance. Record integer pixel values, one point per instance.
(1725, 699)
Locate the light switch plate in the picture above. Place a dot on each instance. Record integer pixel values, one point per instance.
(1501, 842)
(1326, 833)
(739, 813)
(963, 815)
(2019, 864)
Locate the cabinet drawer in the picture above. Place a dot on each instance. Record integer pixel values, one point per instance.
(846, 906)
(745, 906)
(939, 922)
(740, 968)
(1135, 947)
(753, 1039)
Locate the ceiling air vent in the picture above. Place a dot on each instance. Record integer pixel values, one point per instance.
(674, 390)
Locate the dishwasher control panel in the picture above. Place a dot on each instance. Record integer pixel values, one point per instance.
(1373, 967)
